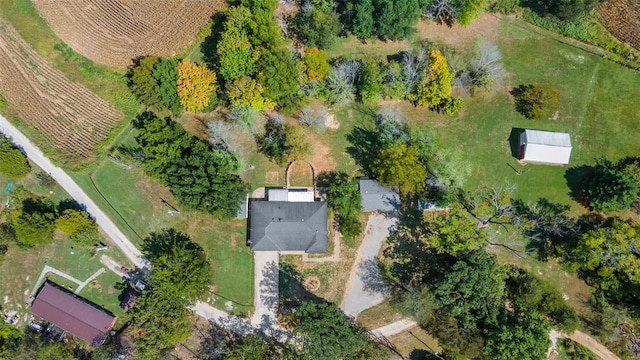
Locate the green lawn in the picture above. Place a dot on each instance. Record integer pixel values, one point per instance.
(135, 203)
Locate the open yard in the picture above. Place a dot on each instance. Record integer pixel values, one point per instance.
(140, 206)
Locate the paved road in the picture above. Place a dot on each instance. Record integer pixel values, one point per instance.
(364, 288)
(37, 157)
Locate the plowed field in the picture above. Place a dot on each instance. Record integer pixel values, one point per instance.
(113, 32)
(622, 19)
(66, 114)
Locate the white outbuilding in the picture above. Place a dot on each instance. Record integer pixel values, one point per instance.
(545, 147)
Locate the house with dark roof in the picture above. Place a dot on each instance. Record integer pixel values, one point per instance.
(376, 197)
(290, 221)
(72, 313)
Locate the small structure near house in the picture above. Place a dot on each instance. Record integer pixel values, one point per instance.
(243, 210)
(376, 197)
(289, 221)
(72, 313)
(545, 147)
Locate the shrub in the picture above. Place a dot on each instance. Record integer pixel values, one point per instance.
(449, 106)
(535, 102)
(13, 163)
(73, 221)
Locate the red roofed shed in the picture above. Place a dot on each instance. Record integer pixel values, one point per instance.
(72, 313)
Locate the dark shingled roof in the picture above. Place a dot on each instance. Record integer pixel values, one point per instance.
(73, 314)
(289, 226)
(376, 197)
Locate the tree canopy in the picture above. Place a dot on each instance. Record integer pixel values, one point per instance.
(327, 334)
(387, 19)
(196, 84)
(33, 221)
(609, 190)
(180, 276)
(456, 232)
(13, 163)
(523, 337)
(201, 177)
(343, 195)
(398, 165)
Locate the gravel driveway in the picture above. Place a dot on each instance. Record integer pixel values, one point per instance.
(365, 289)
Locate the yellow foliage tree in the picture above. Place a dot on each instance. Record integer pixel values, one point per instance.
(435, 83)
(317, 64)
(196, 84)
(248, 92)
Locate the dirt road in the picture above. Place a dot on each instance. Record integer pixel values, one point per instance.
(588, 342)
(37, 157)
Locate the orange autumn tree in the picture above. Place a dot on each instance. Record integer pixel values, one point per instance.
(196, 84)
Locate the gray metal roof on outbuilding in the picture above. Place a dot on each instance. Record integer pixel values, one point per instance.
(376, 197)
(288, 226)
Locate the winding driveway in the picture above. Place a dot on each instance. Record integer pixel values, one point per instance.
(37, 157)
(365, 288)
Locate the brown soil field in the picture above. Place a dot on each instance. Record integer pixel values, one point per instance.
(622, 19)
(113, 32)
(66, 114)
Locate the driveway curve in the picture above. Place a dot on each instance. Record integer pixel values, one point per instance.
(365, 288)
(37, 157)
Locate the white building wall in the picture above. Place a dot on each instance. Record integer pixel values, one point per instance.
(547, 154)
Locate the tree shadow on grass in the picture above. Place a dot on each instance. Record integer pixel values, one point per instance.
(210, 43)
(575, 178)
(292, 290)
(514, 141)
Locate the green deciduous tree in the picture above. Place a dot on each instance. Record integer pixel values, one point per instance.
(72, 221)
(371, 78)
(166, 75)
(608, 258)
(387, 19)
(180, 277)
(343, 195)
(142, 82)
(609, 190)
(296, 145)
(523, 337)
(248, 92)
(456, 232)
(318, 26)
(529, 293)
(468, 10)
(472, 289)
(279, 75)
(536, 102)
(399, 165)
(236, 55)
(327, 334)
(34, 222)
(13, 163)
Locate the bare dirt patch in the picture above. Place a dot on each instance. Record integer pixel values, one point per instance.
(300, 174)
(113, 32)
(485, 27)
(67, 115)
(622, 19)
(320, 157)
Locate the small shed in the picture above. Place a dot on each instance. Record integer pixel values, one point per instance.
(545, 147)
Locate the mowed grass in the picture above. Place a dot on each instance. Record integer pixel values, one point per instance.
(135, 203)
(21, 268)
(597, 108)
